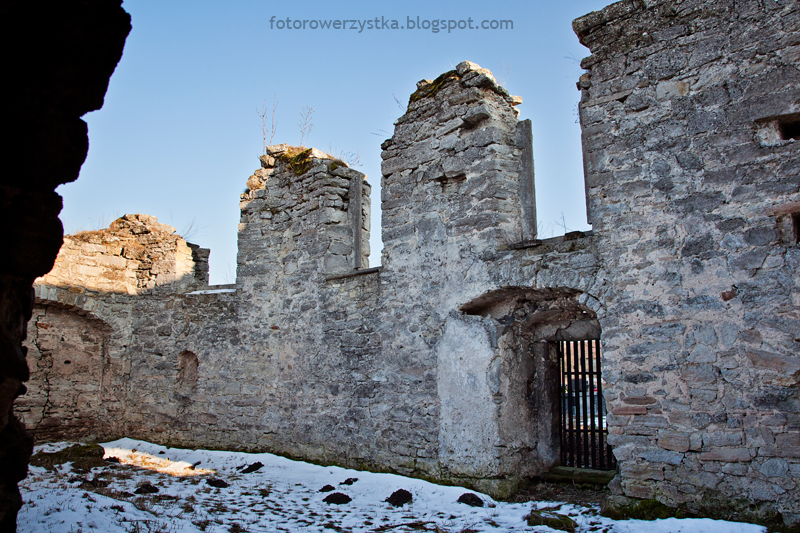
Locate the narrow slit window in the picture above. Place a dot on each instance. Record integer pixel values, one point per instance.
(789, 129)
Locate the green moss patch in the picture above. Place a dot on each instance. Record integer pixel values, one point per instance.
(432, 88)
(82, 457)
(298, 158)
(552, 520)
(642, 510)
(711, 507)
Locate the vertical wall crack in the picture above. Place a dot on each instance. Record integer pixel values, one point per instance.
(45, 373)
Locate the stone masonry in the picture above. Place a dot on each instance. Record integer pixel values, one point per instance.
(440, 362)
(692, 167)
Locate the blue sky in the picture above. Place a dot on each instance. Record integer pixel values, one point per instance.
(179, 135)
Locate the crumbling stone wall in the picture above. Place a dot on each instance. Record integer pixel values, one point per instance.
(302, 207)
(315, 355)
(81, 338)
(459, 226)
(691, 177)
(134, 254)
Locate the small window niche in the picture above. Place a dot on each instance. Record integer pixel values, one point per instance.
(795, 228)
(787, 218)
(778, 131)
(187, 372)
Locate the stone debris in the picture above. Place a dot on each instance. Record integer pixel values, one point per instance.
(146, 488)
(552, 520)
(470, 499)
(255, 467)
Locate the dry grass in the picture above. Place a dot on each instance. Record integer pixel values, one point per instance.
(156, 464)
(585, 495)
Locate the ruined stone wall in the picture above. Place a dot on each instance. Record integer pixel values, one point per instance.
(81, 338)
(316, 356)
(66, 354)
(311, 341)
(440, 362)
(691, 175)
(182, 378)
(134, 254)
(424, 366)
(459, 228)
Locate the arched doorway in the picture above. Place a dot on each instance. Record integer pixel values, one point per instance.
(548, 402)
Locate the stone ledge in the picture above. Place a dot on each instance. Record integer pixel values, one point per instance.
(355, 273)
(212, 289)
(534, 243)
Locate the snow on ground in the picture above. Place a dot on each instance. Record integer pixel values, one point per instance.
(281, 495)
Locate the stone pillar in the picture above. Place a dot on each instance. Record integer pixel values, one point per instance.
(459, 168)
(304, 215)
(527, 190)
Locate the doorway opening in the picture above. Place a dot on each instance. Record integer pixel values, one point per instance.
(583, 426)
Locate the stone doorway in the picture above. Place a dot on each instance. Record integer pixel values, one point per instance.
(583, 428)
(522, 402)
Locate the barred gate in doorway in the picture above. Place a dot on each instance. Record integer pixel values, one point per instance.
(583, 412)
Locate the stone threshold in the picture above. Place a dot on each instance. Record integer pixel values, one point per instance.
(561, 474)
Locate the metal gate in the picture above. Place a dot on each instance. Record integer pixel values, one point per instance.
(583, 410)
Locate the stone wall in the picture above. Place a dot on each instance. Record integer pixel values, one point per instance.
(315, 355)
(66, 354)
(79, 45)
(440, 363)
(691, 187)
(86, 327)
(135, 254)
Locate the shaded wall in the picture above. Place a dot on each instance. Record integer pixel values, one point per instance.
(78, 44)
(67, 358)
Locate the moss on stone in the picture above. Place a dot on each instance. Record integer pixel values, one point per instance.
(298, 158)
(552, 520)
(711, 507)
(432, 88)
(642, 510)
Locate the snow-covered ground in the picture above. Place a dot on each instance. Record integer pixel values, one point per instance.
(281, 495)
